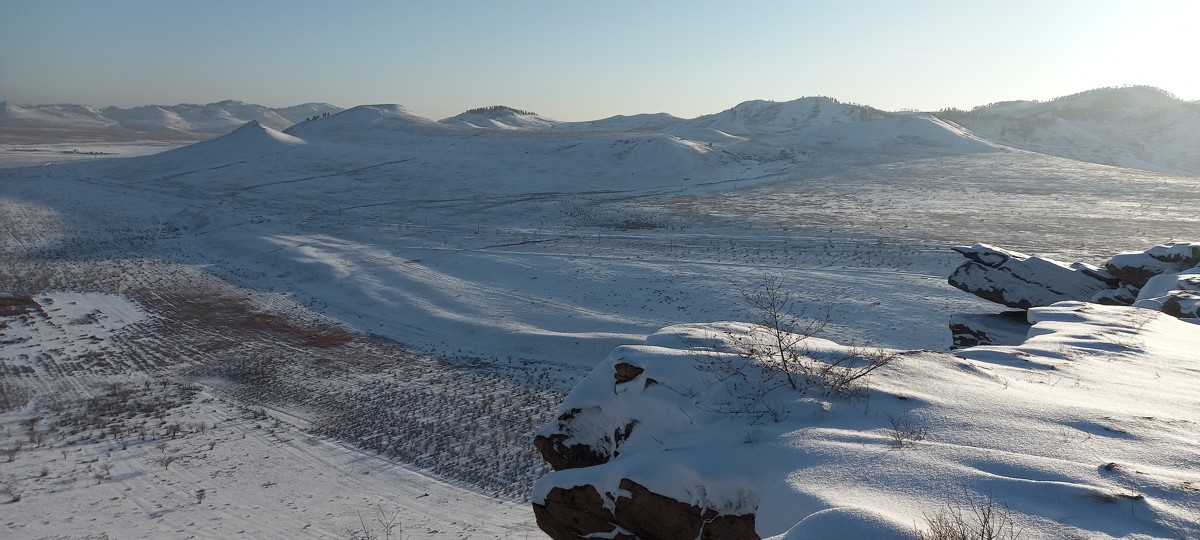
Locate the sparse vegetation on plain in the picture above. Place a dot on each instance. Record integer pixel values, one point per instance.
(975, 518)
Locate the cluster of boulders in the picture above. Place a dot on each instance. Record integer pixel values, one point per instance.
(1164, 278)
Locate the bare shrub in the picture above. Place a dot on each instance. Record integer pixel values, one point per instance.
(981, 519)
(904, 432)
(165, 461)
(11, 452)
(392, 528)
(13, 494)
(786, 328)
(776, 356)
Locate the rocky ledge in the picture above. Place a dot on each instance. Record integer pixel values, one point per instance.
(1164, 278)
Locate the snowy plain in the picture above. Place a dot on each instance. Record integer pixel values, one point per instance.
(512, 260)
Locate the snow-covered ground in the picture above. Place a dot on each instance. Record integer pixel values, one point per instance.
(447, 268)
(1088, 430)
(180, 123)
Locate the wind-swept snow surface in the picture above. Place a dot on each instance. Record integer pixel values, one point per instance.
(429, 291)
(1087, 430)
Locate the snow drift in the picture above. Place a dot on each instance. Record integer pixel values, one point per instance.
(1083, 431)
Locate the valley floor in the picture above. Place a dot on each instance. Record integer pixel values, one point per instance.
(353, 334)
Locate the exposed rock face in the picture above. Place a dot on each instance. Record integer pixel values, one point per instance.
(577, 513)
(1164, 278)
(1125, 295)
(1174, 294)
(1007, 328)
(1136, 268)
(562, 454)
(624, 411)
(623, 373)
(1021, 281)
(580, 512)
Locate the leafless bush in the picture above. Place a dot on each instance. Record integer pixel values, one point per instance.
(165, 461)
(30, 424)
(786, 328)
(778, 356)
(44, 471)
(392, 528)
(904, 432)
(13, 494)
(12, 451)
(981, 519)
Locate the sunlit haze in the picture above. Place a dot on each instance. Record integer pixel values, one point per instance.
(589, 60)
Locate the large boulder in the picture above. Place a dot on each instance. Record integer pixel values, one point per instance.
(974, 329)
(636, 512)
(1137, 267)
(1023, 281)
(1174, 294)
(1125, 295)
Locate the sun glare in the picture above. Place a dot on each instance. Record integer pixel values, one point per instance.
(1157, 49)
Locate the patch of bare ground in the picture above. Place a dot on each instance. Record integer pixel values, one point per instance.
(462, 419)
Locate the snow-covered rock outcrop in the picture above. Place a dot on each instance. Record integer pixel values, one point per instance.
(1086, 430)
(1021, 281)
(1163, 278)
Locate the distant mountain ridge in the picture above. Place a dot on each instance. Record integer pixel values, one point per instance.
(183, 122)
(1140, 127)
(1137, 126)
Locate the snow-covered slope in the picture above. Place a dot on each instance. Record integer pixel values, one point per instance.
(500, 117)
(638, 123)
(365, 123)
(1085, 431)
(1139, 127)
(757, 117)
(54, 123)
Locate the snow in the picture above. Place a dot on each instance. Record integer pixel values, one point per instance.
(500, 117)
(1083, 431)
(261, 478)
(520, 251)
(65, 323)
(1137, 127)
(184, 122)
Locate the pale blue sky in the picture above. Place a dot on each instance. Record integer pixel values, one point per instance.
(575, 60)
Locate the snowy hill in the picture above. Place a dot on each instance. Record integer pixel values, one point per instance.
(56, 123)
(758, 117)
(638, 123)
(1139, 127)
(366, 120)
(500, 117)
